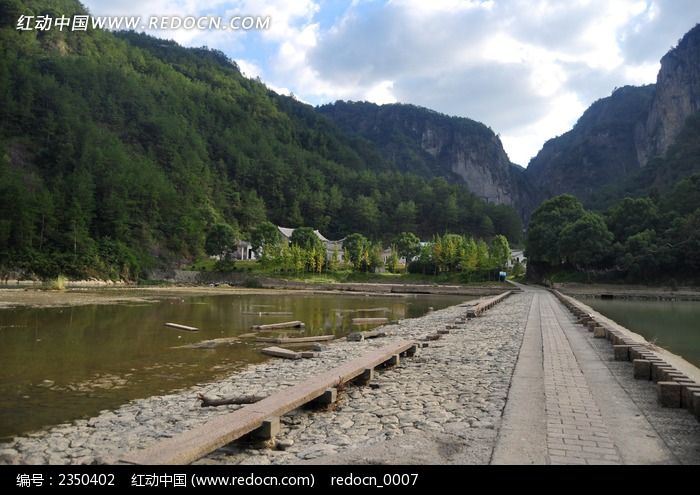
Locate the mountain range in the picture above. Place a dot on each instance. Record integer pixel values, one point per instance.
(118, 151)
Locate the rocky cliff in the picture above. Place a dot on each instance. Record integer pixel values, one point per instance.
(601, 148)
(425, 142)
(615, 140)
(677, 98)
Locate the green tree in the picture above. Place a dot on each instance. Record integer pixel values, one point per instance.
(632, 216)
(546, 224)
(306, 238)
(499, 252)
(392, 262)
(357, 247)
(265, 235)
(483, 260)
(407, 245)
(220, 240)
(586, 242)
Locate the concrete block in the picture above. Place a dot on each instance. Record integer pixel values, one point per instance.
(599, 332)
(328, 397)
(676, 376)
(642, 369)
(366, 376)
(687, 396)
(657, 370)
(622, 352)
(636, 352)
(696, 404)
(591, 325)
(269, 429)
(665, 374)
(669, 394)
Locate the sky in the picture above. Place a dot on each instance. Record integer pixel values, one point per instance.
(525, 68)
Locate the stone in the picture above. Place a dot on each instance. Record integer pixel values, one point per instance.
(642, 369)
(696, 404)
(657, 370)
(622, 352)
(687, 395)
(669, 394)
(284, 443)
(328, 397)
(366, 376)
(268, 430)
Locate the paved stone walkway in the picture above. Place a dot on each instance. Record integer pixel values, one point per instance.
(594, 412)
(576, 433)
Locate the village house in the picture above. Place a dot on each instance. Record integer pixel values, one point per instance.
(331, 246)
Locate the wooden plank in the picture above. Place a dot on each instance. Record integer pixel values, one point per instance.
(482, 306)
(360, 336)
(373, 310)
(295, 340)
(267, 313)
(284, 324)
(281, 352)
(182, 327)
(364, 321)
(209, 344)
(190, 445)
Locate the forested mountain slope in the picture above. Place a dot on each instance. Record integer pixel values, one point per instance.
(119, 151)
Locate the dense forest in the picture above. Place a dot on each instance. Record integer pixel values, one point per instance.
(119, 152)
(642, 239)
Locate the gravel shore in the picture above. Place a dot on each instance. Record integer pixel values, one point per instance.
(442, 406)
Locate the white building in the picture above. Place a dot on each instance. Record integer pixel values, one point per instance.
(331, 246)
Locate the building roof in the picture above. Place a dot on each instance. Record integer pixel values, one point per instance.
(287, 232)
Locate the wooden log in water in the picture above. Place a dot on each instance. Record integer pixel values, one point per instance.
(182, 327)
(373, 310)
(365, 321)
(267, 313)
(360, 336)
(251, 335)
(281, 352)
(241, 399)
(295, 340)
(209, 344)
(284, 324)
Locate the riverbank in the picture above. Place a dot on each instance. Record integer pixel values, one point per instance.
(621, 291)
(455, 390)
(444, 405)
(79, 296)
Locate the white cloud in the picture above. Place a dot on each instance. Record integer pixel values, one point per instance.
(526, 68)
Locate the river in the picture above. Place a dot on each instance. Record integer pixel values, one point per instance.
(673, 325)
(60, 364)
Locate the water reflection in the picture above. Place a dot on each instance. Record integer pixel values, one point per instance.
(59, 364)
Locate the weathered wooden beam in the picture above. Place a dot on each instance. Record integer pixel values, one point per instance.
(284, 324)
(295, 340)
(190, 445)
(281, 352)
(267, 313)
(182, 327)
(360, 336)
(365, 321)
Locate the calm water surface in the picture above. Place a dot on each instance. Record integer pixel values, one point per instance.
(674, 325)
(59, 364)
